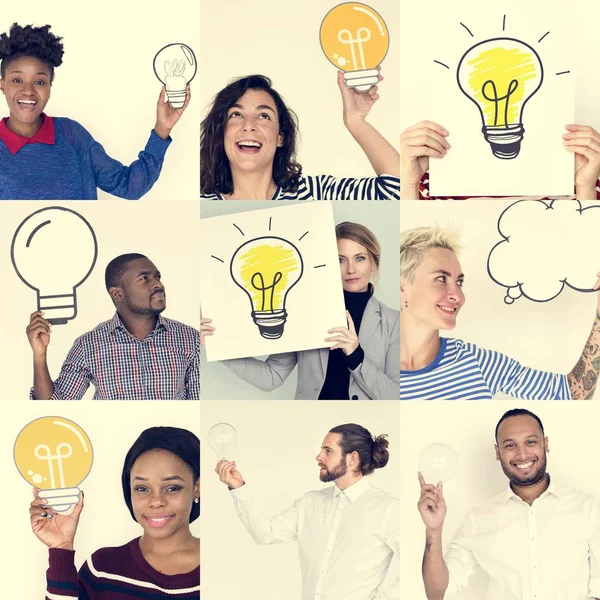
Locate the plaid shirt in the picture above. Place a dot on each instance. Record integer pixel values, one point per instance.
(164, 366)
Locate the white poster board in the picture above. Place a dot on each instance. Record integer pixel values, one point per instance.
(272, 280)
(503, 84)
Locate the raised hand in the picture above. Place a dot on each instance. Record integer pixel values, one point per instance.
(38, 333)
(356, 104)
(345, 338)
(584, 142)
(228, 474)
(205, 329)
(51, 528)
(432, 505)
(166, 115)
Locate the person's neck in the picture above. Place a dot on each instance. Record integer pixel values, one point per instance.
(345, 481)
(27, 130)
(180, 541)
(528, 493)
(139, 326)
(418, 345)
(252, 186)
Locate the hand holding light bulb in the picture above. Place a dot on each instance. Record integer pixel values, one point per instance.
(222, 438)
(51, 528)
(357, 105)
(432, 505)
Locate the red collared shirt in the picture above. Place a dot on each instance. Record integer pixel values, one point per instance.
(14, 142)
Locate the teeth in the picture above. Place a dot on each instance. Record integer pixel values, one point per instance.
(159, 520)
(447, 310)
(524, 465)
(26, 101)
(251, 144)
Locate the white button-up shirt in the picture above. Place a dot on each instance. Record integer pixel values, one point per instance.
(546, 551)
(346, 539)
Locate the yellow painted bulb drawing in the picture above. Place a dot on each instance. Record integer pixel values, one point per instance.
(500, 76)
(267, 268)
(55, 455)
(355, 39)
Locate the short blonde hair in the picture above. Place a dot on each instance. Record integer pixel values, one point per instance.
(415, 242)
(365, 237)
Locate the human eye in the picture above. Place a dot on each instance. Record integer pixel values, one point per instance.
(235, 113)
(341, 259)
(360, 258)
(532, 442)
(264, 116)
(140, 488)
(158, 276)
(174, 488)
(441, 279)
(40, 82)
(460, 282)
(509, 446)
(16, 80)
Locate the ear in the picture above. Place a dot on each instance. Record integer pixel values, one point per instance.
(197, 488)
(497, 451)
(280, 140)
(546, 447)
(2, 85)
(116, 293)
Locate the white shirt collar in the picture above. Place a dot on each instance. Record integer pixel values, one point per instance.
(353, 491)
(552, 490)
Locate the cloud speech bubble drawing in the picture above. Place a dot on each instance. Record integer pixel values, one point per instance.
(546, 246)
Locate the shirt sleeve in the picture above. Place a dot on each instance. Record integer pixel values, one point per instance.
(327, 187)
(62, 579)
(266, 375)
(74, 378)
(192, 375)
(278, 529)
(459, 558)
(377, 384)
(504, 374)
(392, 539)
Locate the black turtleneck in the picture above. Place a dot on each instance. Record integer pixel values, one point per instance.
(337, 378)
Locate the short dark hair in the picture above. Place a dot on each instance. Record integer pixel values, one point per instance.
(516, 412)
(31, 41)
(117, 266)
(181, 442)
(372, 450)
(215, 172)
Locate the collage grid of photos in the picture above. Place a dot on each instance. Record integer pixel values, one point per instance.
(241, 237)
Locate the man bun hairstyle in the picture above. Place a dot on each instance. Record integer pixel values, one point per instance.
(372, 450)
(32, 41)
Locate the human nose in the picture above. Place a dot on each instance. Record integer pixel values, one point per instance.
(455, 293)
(156, 498)
(248, 124)
(351, 266)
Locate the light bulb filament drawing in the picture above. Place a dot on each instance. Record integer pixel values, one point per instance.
(258, 282)
(495, 99)
(363, 35)
(55, 461)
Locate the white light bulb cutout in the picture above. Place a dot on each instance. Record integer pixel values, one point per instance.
(222, 438)
(438, 462)
(175, 65)
(54, 251)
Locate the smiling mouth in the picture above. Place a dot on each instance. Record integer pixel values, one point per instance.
(27, 104)
(249, 146)
(524, 466)
(448, 309)
(158, 522)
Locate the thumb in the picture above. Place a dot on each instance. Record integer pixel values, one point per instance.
(161, 96)
(440, 489)
(78, 507)
(36, 491)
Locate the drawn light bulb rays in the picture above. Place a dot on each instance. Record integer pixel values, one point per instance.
(355, 39)
(267, 268)
(500, 76)
(55, 455)
(53, 252)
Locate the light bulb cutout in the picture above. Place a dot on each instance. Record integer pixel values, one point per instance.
(222, 438)
(54, 251)
(175, 65)
(267, 268)
(500, 76)
(55, 455)
(438, 462)
(355, 39)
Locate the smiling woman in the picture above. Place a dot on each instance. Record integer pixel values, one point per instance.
(161, 487)
(441, 368)
(32, 144)
(248, 146)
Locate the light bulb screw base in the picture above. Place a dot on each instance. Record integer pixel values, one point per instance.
(176, 98)
(504, 141)
(362, 80)
(61, 500)
(58, 308)
(270, 324)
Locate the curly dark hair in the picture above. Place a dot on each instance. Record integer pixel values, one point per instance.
(215, 172)
(31, 41)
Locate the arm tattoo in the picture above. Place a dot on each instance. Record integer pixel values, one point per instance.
(428, 544)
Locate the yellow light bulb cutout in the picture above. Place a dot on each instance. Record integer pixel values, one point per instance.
(500, 76)
(55, 455)
(355, 39)
(267, 268)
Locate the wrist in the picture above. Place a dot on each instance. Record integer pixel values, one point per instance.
(64, 546)
(236, 485)
(434, 532)
(354, 123)
(39, 358)
(408, 191)
(585, 192)
(162, 131)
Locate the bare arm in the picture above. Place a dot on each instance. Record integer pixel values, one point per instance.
(584, 376)
(43, 387)
(384, 158)
(38, 333)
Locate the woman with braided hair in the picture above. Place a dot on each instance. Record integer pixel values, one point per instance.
(43, 157)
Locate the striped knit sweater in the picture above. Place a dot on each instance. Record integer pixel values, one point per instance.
(116, 574)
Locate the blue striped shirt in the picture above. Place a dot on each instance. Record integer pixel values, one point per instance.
(164, 366)
(327, 187)
(462, 371)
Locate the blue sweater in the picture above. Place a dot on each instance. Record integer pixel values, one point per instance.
(74, 166)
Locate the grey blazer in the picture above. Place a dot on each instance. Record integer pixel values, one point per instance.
(376, 378)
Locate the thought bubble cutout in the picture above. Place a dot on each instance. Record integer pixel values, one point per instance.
(546, 246)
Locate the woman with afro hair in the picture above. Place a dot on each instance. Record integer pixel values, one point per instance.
(161, 488)
(43, 157)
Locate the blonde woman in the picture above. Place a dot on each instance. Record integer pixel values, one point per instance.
(362, 363)
(434, 367)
